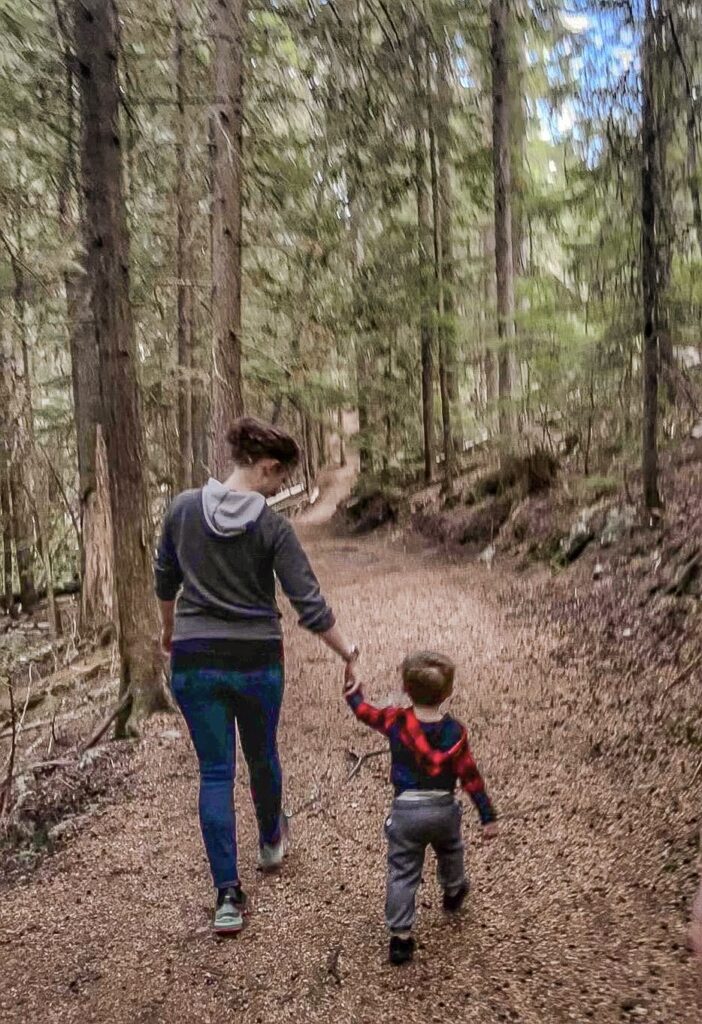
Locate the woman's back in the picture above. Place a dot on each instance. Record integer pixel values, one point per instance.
(225, 548)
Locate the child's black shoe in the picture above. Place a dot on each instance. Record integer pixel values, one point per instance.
(455, 900)
(401, 950)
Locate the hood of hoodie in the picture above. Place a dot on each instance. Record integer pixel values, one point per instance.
(229, 513)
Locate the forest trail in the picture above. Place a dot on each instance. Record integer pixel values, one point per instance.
(570, 918)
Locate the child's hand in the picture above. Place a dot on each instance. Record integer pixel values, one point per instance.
(490, 831)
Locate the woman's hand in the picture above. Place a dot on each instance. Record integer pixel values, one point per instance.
(167, 613)
(166, 639)
(352, 682)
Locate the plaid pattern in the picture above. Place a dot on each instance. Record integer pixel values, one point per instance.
(431, 765)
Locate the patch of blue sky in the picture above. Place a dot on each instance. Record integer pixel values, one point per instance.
(601, 51)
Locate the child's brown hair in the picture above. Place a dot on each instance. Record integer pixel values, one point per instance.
(428, 677)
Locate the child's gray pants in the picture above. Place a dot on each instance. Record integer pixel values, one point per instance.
(412, 826)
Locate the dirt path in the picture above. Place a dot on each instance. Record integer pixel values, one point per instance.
(571, 917)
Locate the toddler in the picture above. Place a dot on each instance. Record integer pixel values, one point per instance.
(430, 755)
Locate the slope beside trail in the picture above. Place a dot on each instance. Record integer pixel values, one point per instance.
(570, 917)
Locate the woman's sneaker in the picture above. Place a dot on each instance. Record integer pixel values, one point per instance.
(229, 912)
(271, 855)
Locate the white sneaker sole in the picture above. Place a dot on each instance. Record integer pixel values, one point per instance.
(273, 857)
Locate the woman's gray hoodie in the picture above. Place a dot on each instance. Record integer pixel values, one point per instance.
(222, 550)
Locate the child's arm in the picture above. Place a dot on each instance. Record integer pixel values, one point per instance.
(377, 718)
(472, 783)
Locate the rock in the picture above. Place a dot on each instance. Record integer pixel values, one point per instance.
(598, 572)
(171, 734)
(620, 521)
(696, 431)
(487, 555)
(626, 633)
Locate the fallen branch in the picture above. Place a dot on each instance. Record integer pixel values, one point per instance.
(69, 717)
(106, 723)
(362, 758)
(61, 762)
(684, 577)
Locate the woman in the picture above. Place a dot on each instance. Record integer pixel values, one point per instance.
(222, 548)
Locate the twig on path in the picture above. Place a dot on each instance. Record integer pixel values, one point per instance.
(308, 803)
(362, 758)
(683, 674)
(333, 963)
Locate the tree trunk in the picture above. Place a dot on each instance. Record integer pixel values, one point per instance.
(665, 214)
(97, 598)
(693, 172)
(444, 358)
(362, 359)
(200, 403)
(424, 247)
(342, 440)
(649, 269)
(228, 18)
(5, 499)
(97, 48)
(492, 373)
(96, 552)
(444, 151)
(97, 583)
(184, 256)
(504, 261)
(6, 514)
(22, 453)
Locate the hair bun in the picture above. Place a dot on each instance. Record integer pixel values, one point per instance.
(251, 439)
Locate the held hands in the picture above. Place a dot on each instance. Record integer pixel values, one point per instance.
(490, 831)
(352, 681)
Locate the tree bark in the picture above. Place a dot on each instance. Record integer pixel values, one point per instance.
(97, 49)
(184, 255)
(228, 18)
(649, 268)
(424, 247)
(693, 172)
(492, 372)
(22, 450)
(342, 440)
(362, 358)
(5, 499)
(444, 357)
(96, 551)
(444, 152)
(504, 260)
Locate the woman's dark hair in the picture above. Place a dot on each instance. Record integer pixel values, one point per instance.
(252, 439)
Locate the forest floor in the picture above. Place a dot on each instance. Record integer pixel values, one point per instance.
(577, 913)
